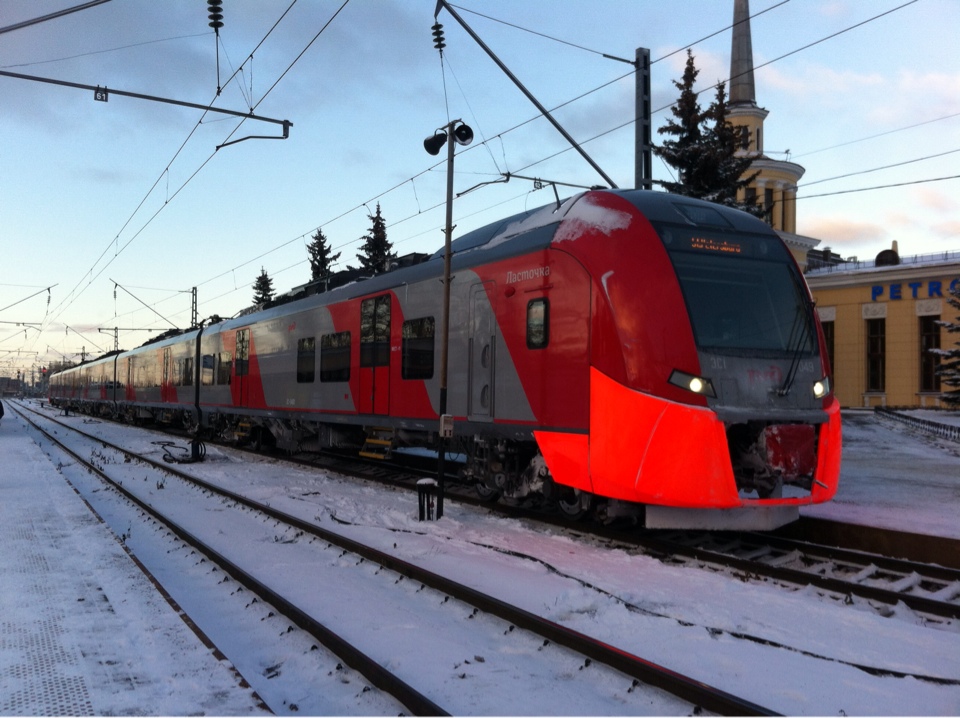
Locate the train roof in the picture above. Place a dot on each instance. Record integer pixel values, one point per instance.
(517, 234)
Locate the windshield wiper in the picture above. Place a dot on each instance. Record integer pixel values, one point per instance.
(798, 337)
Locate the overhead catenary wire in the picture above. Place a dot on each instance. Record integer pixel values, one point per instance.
(74, 294)
(533, 118)
(499, 136)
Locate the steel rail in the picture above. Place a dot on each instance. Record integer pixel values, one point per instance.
(684, 687)
(922, 604)
(351, 655)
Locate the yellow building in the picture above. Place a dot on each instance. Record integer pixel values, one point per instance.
(879, 319)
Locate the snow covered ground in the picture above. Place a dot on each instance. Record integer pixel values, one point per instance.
(792, 651)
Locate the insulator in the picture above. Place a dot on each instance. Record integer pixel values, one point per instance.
(438, 36)
(216, 13)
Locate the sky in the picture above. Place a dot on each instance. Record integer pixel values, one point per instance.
(797, 652)
(111, 212)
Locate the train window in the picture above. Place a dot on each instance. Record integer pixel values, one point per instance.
(186, 374)
(206, 370)
(417, 350)
(224, 365)
(538, 323)
(743, 295)
(375, 331)
(306, 360)
(335, 357)
(242, 359)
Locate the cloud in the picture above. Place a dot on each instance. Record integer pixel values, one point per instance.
(946, 230)
(833, 230)
(934, 199)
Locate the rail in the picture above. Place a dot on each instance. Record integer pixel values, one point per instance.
(700, 694)
(946, 431)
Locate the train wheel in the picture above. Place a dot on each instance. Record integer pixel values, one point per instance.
(573, 503)
(485, 492)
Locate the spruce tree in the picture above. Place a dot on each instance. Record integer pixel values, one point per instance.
(262, 288)
(321, 259)
(949, 369)
(375, 253)
(704, 146)
(683, 153)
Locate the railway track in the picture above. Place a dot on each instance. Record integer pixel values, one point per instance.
(440, 612)
(858, 564)
(851, 561)
(928, 589)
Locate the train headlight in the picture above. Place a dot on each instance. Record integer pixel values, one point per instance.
(821, 388)
(696, 384)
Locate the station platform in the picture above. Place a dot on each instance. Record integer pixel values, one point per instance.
(82, 630)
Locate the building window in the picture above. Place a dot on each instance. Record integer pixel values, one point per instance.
(750, 195)
(538, 323)
(828, 340)
(876, 354)
(335, 357)
(929, 362)
(417, 349)
(306, 360)
(768, 205)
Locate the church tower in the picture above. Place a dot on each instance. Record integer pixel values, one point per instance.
(775, 187)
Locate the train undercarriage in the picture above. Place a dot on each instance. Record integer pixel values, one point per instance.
(769, 460)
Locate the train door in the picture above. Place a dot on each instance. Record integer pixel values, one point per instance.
(483, 335)
(241, 368)
(375, 355)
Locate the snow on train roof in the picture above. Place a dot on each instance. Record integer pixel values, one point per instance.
(581, 212)
(497, 233)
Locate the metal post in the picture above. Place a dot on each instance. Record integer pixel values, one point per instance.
(644, 158)
(445, 325)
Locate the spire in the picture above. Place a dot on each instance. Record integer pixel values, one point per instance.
(742, 90)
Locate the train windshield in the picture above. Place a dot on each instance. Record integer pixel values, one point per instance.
(743, 292)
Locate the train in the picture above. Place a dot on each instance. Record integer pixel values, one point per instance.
(619, 353)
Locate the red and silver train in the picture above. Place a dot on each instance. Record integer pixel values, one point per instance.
(624, 351)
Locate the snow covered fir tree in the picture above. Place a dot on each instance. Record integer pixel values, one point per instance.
(321, 257)
(703, 147)
(375, 253)
(262, 289)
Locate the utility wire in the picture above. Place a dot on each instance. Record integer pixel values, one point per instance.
(102, 52)
(500, 135)
(882, 186)
(877, 169)
(533, 118)
(64, 304)
(879, 134)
